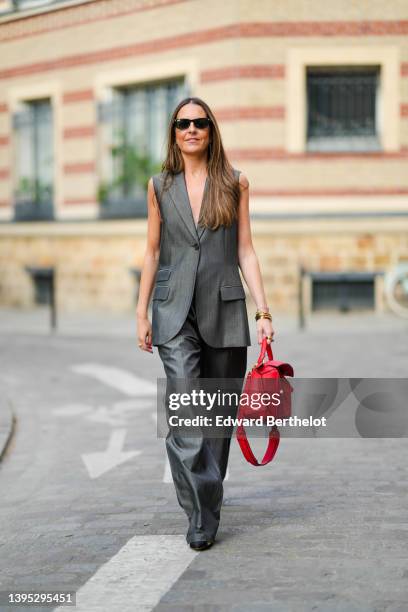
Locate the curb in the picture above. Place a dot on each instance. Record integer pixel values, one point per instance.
(7, 425)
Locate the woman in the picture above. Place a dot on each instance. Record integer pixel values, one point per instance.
(198, 237)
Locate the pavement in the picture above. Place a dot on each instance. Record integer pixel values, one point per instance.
(90, 507)
(37, 321)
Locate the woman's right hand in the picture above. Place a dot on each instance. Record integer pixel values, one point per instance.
(144, 334)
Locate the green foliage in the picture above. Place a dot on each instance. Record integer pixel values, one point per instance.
(134, 168)
(33, 189)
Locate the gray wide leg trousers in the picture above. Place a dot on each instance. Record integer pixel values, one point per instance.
(199, 464)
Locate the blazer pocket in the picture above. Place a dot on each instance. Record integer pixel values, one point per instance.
(232, 292)
(163, 274)
(161, 292)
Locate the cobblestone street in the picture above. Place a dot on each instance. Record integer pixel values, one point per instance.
(323, 527)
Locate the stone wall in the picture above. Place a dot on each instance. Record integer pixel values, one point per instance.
(93, 261)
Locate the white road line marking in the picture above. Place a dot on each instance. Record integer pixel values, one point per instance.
(99, 463)
(117, 378)
(137, 577)
(167, 477)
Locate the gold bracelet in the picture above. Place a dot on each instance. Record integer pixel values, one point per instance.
(263, 315)
(263, 309)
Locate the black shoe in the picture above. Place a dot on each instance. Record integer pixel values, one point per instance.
(201, 544)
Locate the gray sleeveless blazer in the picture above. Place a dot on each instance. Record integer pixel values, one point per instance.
(195, 256)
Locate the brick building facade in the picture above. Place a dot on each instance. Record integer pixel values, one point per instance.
(312, 101)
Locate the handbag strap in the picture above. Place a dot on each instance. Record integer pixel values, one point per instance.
(273, 443)
(265, 347)
(274, 435)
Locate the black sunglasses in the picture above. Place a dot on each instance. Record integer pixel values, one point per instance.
(201, 123)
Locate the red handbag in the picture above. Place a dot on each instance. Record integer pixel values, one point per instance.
(264, 378)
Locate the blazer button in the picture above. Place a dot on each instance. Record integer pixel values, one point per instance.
(195, 245)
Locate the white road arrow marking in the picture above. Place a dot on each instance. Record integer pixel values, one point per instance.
(119, 379)
(72, 410)
(115, 415)
(100, 463)
(106, 415)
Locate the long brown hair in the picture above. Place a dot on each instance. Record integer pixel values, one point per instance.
(220, 205)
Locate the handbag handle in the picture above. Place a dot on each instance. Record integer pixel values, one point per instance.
(264, 348)
(273, 443)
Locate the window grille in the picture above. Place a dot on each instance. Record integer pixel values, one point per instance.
(342, 108)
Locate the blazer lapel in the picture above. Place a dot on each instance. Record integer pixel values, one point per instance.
(201, 229)
(179, 195)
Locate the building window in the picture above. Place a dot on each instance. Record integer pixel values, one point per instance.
(343, 291)
(342, 108)
(20, 5)
(34, 160)
(13, 6)
(133, 129)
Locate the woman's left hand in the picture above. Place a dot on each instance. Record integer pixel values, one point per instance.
(264, 328)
